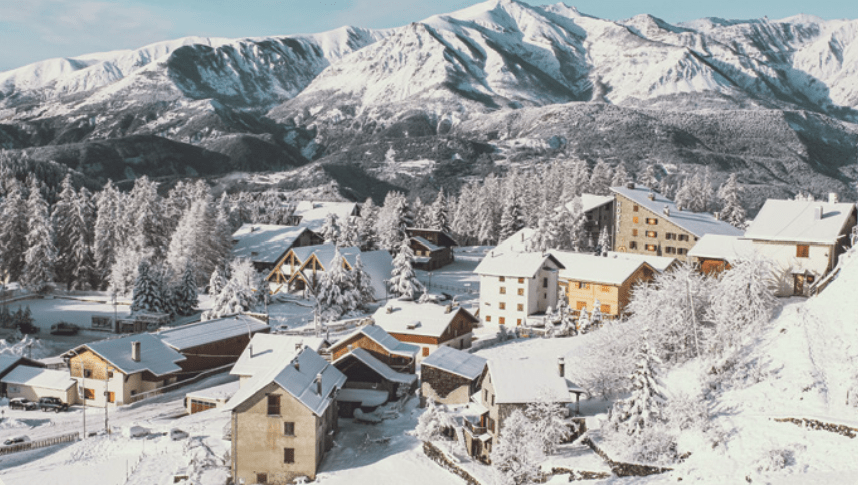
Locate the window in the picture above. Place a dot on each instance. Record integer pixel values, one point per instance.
(518, 322)
(802, 251)
(809, 279)
(501, 320)
(633, 245)
(669, 236)
(651, 248)
(681, 251)
(261, 478)
(289, 428)
(87, 373)
(501, 279)
(634, 232)
(605, 288)
(635, 220)
(288, 455)
(682, 237)
(635, 208)
(651, 234)
(111, 397)
(545, 282)
(89, 393)
(503, 290)
(520, 291)
(580, 305)
(502, 306)
(670, 250)
(520, 279)
(426, 350)
(273, 404)
(583, 285)
(488, 318)
(652, 221)
(486, 396)
(493, 400)
(520, 307)
(605, 309)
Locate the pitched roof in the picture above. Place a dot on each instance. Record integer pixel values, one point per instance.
(697, 224)
(455, 361)
(155, 356)
(795, 221)
(313, 213)
(526, 380)
(410, 317)
(385, 340)
(207, 332)
(515, 264)
(218, 392)
(374, 364)
(298, 382)
(324, 253)
(587, 267)
(267, 351)
(518, 242)
(426, 243)
(590, 202)
(265, 243)
(40, 378)
(722, 247)
(8, 361)
(660, 263)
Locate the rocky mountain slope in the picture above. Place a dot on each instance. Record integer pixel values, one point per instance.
(505, 81)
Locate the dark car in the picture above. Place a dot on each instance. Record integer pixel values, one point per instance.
(52, 403)
(17, 440)
(27, 328)
(65, 329)
(21, 404)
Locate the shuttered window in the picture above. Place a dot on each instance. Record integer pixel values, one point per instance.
(802, 251)
(273, 404)
(288, 455)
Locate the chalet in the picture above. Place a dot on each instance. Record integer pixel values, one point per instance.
(516, 284)
(267, 351)
(599, 211)
(211, 344)
(284, 419)
(715, 253)
(511, 384)
(301, 268)
(369, 382)
(117, 371)
(429, 325)
(399, 356)
(9, 362)
(450, 376)
(33, 383)
(312, 214)
(266, 244)
(588, 278)
(803, 238)
(427, 255)
(648, 223)
(434, 236)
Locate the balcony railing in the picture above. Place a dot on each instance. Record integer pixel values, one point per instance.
(475, 430)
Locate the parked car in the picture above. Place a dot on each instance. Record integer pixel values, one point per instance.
(178, 434)
(17, 440)
(136, 431)
(52, 403)
(65, 329)
(21, 404)
(27, 328)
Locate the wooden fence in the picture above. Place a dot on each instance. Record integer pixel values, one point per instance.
(38, 444)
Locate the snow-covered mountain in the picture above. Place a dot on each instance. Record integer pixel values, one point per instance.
(308, 97)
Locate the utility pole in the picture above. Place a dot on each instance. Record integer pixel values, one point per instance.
(106, 396)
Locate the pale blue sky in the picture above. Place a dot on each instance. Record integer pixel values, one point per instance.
(32, 30)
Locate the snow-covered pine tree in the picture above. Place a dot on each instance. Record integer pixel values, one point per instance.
(106, 238)
(578, 235)
(434, 423)
(577, 180)
(511, 218)
(620, 176)
(13, 232)
(549, 423)
(541, 239)
(148, 290)
(186, 297)
(393, 218)
(335, 295)
(732, 210)
(362, 284)
(349, 235)
(64, 223)
(365, 225)
(218, 280)
(604, 243)
(583, 322)
(144, 213)
(518, 451)
(420, 212)
(596, 316)
(238, 295)
(331, 230)
(82, 236)
(403, 281)
(644, 407)
(684, 198)
(650, 178)
(41, 253)
(600, 180)
(439, 219)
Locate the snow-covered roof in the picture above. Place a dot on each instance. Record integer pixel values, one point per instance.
(313, 213)
(722, 247)
(374, 364)
(795, 221)
(518, 242)
(452, 360)
(590, 202)
(409, 231)
(426, 243)
(515, 264)
(265, 243)
(378, 265)
(660, 263)
(324, 253)
(40, 378)
(7, 361)
(267, 351)
(298, 382)
(219, 392)
(409, 317)
(367, 398)
(526, 380)
(698, 224)
(155, 356)
(385, 340)
(587, 267)
(207, 332)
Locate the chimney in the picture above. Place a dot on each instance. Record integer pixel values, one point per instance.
(561, 366)
(666, 211)
(630, 185)
(298, 346)
(832, 198)
(135, 351)
(522, 237)
(388, 309)
(350, 347)
(319, 384)
(817, 213)
(651, 196)
(448, 309)
(297, 365)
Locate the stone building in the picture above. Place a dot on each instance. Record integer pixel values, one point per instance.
(450, 376)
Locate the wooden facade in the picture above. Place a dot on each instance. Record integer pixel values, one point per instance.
(457, 334)
(403, 364)
(612, 298)
(429, 259)
(301, 274)
(436, 237)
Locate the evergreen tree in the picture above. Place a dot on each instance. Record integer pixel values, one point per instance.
(186, 298)
(583, 323)
(620, 176)
(576, 227)
(577, 181)
(144, 213)
(644, 407)
(238, 295)
(549, 423)
(82, 236)
(218, 280)
(511, 218)
(362, 284)
(64, 222)
(604, 243)
(13, 232)
(335, 294)
(684, 198)
(106, 238)
(350, 236)
(393, 218)
(148, 290)
(518, 451)
(649, 178)
(403, 281)
(439, 218)
(596, 317)
(541, 239)
(600, 180)
(41, 253)
(434, 423)
(331, 231)
(732, 211)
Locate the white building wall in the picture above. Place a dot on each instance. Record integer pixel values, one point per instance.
(818, 263)
(490, 299)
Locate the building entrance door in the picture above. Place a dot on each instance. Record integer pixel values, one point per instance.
(798, 284)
